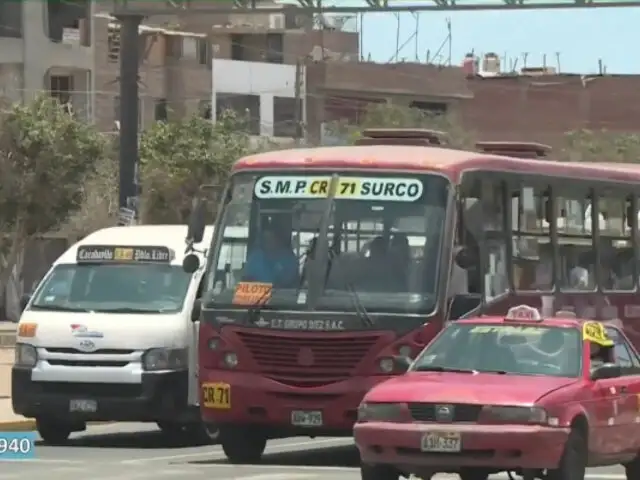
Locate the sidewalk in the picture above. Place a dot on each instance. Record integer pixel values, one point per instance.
(8, 420)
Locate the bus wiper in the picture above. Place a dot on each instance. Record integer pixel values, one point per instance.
(59, 308)
(126, 310)
(253, 313)
(433, 368)
(361, 312)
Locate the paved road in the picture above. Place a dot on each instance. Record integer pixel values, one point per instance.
(139, 452)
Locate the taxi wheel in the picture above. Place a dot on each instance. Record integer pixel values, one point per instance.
(573, 464)
(632, 469)
(379, 472)
(53, 433)
(242, 445)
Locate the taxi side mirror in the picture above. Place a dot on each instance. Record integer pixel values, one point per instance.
(196, 310)
(606, 370)
(401, 364)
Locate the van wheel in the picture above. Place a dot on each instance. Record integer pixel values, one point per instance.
(573, 464)
(242, 445)
(53, 433)
(378, 472)
(202, 433)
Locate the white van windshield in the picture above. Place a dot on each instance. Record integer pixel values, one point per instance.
(116, 288)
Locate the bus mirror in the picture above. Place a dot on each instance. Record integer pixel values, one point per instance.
(195, 230)
(195, 311)
(191, 263)
(465, 259)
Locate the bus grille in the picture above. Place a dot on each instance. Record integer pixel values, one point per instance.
(307, 361)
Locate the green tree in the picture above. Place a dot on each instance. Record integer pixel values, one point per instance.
(600, 146)
(46, 158)
(178, 157)
(385, 115)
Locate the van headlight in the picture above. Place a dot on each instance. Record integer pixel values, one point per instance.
(165, 359)
(25, 355)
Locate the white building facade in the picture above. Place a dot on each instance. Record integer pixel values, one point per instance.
(265, 92)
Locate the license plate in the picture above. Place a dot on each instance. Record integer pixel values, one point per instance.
(306, 418)
(441, 442)
(83, 406)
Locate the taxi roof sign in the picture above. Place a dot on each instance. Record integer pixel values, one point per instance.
(524, 313)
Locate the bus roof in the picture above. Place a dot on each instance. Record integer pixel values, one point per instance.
(170, 236)
(449, 162)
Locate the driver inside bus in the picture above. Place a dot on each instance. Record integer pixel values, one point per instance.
(272, 262)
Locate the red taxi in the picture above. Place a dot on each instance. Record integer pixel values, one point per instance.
(539, 397)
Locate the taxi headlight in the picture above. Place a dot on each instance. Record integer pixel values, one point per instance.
(25, 355)
(509, 414)
(165, 359)
(380, 412)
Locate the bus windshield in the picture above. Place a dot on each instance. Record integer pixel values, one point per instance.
(117, 288)
(384, 237)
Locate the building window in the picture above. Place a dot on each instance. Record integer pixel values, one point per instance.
(431, 108)
(10, 19)
(275, 46)
(174, 47)
(284, 116)
(161, 111)
(61, 88)
(204, 107)
(237, 47)
(245, 106)
(203, 52)
(113, 45)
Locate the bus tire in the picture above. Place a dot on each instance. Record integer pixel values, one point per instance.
(378, 472)
(473, 474)
(242, 445)
(52, 432)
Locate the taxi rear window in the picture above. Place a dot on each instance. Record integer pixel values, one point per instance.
(526, 349)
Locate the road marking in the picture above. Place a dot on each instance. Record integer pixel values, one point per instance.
(295, 468)
(218, 454)
(276, 476)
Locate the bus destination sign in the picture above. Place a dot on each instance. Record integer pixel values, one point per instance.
(123, 254)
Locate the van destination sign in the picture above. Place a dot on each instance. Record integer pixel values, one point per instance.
(123, 254)
(309, 325)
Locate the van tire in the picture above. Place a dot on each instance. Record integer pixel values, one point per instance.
(242, 445)
(52, 432)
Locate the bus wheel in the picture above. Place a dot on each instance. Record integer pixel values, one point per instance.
(473, 474)
(52, 432)
(242, 445)
(378, 472)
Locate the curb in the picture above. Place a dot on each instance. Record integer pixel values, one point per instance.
(26, 425)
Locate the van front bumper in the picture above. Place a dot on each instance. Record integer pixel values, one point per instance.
(159, 396)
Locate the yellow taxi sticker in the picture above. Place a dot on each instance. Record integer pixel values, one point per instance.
(353, 188)
(216, 395)
(123, 254)
(595, 332)
(507, 330)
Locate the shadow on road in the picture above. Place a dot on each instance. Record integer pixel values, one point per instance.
(342, 456)
(152, 439)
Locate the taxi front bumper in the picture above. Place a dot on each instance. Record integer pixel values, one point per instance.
(498, 447)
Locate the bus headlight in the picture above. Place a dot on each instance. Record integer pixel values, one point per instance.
(386, 365)
(165, 359)
(25, 355)
(230, 360)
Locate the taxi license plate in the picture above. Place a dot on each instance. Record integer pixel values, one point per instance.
(443, 442)
(83, 406)
(306, 418)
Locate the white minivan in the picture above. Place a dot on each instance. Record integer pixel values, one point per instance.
(108, 336)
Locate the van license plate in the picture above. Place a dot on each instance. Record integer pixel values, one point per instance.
(306, 418)
(443, 442)
(83, 406)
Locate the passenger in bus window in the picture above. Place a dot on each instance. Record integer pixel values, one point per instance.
(459, 281)
(400, 256)
(272, 262)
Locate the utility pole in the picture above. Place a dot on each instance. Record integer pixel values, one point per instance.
(297, 118)
(129, 58)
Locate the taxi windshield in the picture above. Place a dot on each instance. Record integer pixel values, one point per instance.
(384, 237)
(517, 349)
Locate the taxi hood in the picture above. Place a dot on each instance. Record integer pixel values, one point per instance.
(480, 388)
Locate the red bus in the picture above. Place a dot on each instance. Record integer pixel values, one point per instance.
(353, 256)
